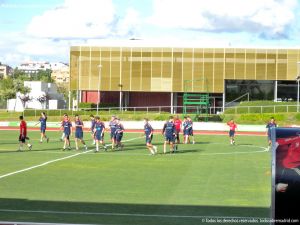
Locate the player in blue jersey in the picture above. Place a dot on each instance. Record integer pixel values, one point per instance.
(271, 124)
(93, 122)
(169, 132)
(99, 133)
(112, 126)
(43, 122)
(79, 132)
(66, 126)
(190, 129)
(119, 134)
(186, 130)
(148, 130)
(63, 135)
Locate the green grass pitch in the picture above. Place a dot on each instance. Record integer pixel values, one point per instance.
(210, 179)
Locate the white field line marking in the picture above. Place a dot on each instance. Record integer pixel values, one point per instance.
(200, 154)
(125, 214)
(53, 161)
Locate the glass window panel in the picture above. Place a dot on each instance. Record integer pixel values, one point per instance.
(258, 89)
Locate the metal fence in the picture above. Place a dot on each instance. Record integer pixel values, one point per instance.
(261, 109)
(162, 109)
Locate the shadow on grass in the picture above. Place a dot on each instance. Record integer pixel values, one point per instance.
(125, 214)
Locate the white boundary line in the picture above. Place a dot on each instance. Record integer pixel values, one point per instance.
(53, 161)
(125, 214)
(201, 154)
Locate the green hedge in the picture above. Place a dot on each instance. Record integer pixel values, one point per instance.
(91, 105)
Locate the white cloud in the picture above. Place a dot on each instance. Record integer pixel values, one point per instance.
(129, 25)
(83, 19)
(75, 19)
(75, 22)
(269, 18)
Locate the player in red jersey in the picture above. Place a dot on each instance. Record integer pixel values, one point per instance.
(287, 176)
(23, 134)
(232, 127)
(177, 123)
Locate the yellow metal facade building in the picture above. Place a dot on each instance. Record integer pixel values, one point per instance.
(134, 69)
(165, 69)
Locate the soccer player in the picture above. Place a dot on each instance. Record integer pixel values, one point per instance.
(149, 136)
(61, 122)
(66, 126)
(190, 128)
(232, 127)
(23, 135)
(43, 122)
(169, 132)
(99, 133)
(270, 124)
(186, 132)
(79, 132)
(177, 123)
(119, 134)
(93, 122)
(112, 124)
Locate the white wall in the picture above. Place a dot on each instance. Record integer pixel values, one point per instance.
(38, 89)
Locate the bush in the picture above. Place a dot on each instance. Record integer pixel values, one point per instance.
(91, 105)
(87, 105)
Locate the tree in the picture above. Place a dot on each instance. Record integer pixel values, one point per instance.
(44, 75)
(20, 74)
(7, 89)
(43, 99)
(24, 99)
(64, 90)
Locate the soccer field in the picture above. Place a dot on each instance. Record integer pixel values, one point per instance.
(208, 180)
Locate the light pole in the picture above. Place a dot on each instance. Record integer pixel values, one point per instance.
(99, 77)
(120, 104)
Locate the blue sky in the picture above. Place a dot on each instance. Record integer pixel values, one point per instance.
(44, 30)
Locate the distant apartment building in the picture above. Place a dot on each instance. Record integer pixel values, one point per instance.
(5, 70)
(33, 67)
(60, 72)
